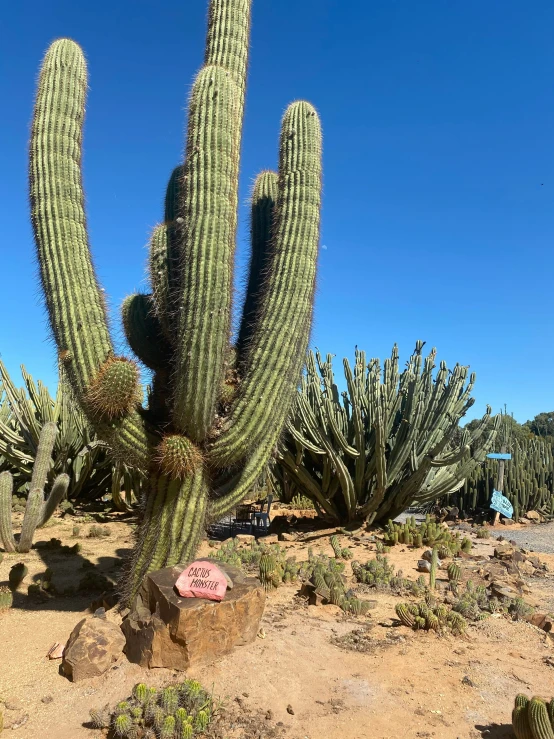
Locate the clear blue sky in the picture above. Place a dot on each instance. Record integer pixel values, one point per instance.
(438, 122)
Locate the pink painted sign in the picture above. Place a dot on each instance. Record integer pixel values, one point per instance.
(202, 580)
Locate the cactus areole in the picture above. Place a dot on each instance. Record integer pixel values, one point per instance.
(215, 410)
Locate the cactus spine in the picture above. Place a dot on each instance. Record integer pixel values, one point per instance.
(202, 444)
(37, 510)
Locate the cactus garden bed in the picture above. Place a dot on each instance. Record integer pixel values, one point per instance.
(314, 670)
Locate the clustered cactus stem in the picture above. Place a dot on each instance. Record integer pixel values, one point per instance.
(388, 443)
(533, 718)
(215, 411)
(38, 510)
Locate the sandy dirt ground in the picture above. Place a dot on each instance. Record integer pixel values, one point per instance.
(315, 674)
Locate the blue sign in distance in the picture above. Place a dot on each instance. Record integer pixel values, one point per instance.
(499, 455)
(501, 504)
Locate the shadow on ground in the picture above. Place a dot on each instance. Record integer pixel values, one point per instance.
(76, 581)
(496, 731)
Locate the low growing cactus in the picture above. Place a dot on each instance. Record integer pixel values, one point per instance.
(420, 616)
(179, 711)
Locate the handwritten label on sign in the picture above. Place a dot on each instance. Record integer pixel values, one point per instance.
(501, 504)
(202, 580)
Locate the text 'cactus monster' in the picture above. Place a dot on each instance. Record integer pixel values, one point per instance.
(215, 410)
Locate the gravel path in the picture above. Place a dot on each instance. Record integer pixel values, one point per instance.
(536, 537)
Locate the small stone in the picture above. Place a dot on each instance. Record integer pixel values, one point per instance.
(533, 516)
(423, 566)
(46, 699)
(507, 521)
(245, 538)
(287, 537)
(268, 715)
(290, 709)
(99, 613)
(468, 681)
(93, 646)
(269, 539)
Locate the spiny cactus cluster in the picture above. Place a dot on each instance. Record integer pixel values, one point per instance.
(215, 411)
(428, 533)
(483, 532)
(377, 572)
(271, 562)
(96, 532)
(179, 711)
(476, 603)
(37, 510)
(328, 580)
(388, 442)
(430, 617)
(301, 503)
(340, 552)
(533, 718)
(275, 568)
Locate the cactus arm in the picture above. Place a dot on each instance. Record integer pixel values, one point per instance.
(57, 494)
(359, 439)
(209, 213)
(162, 265)
(144, 332)
(6, 529)
(276, 354)
(227, 43)
(43, 458)
(73, 298)
(302, 440)
(264, 197)
(35, 500)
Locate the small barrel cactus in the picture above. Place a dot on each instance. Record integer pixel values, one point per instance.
(17, 574)
(404, 615)
(454, 572)
(6, 598)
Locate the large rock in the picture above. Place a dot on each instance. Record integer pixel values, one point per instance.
(92, 648)
(166, 630)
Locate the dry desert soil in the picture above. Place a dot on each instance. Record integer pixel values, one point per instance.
(312, 673)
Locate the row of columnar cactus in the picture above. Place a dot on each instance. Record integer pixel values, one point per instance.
(77, 451)
(390, 441)
(37, 510)
(528, 480)
(215, 411)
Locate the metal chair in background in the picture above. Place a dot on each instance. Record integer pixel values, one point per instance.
(243, 517)
(260, 519)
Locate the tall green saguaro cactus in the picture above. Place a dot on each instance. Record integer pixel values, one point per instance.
(215, 410)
